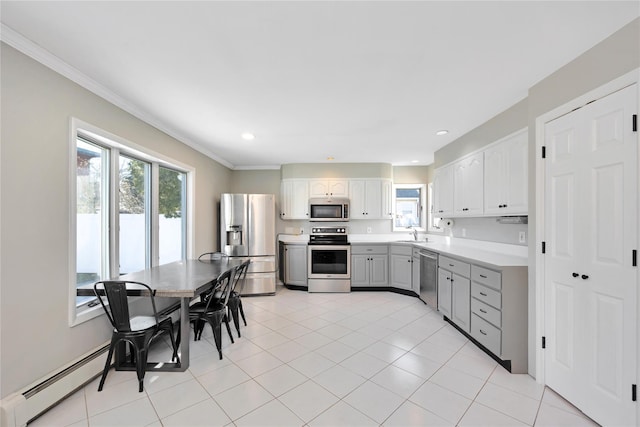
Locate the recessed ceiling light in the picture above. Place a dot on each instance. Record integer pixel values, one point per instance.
(442, 132)
(248, 136)
(330, 158)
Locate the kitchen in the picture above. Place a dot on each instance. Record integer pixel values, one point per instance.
(32, 93)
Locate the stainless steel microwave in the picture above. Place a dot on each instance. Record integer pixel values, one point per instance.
(329, 209)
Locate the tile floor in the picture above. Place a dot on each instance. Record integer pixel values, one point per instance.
(357, 359)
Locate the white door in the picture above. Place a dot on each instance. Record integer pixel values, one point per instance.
(590, 233)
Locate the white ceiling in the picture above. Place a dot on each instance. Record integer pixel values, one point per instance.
(360, 81)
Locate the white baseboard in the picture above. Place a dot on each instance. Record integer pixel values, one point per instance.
(19, 408)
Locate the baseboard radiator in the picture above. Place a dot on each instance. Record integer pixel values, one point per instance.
(17, 409)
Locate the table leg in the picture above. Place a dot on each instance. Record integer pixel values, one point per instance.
(185, 333)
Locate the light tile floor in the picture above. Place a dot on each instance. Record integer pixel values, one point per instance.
(357, 359)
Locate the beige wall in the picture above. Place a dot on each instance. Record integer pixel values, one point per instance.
(37, 104)
(613, 57)
(509, 121)
(337, 170)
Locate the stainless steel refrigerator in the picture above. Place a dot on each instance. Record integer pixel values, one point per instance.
(247, 230)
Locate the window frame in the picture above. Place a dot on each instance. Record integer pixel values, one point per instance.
(422, 207)
(116, 145)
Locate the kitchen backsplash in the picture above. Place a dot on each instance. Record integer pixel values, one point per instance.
(488, 229)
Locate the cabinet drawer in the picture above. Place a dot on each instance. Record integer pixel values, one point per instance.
(455, 266)
(486, 295)
(488, 313)
(401, 250)
(490, 278)
(369, 250)
(486, 334)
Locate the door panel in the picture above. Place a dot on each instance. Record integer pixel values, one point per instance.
(591, 187)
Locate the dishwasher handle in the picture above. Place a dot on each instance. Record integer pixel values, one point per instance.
(429, 255)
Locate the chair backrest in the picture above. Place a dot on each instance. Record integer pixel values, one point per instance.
(117, 294)
(212, 256)
(241, 275)
(224, 285)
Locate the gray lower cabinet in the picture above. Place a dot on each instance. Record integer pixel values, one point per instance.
(499, 313)
(455, 286)
(295, 264)
(401, 260)
(369, 265)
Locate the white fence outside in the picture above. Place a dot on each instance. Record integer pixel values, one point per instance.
(132, 242)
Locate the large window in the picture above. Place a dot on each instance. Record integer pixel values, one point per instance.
(130, 211)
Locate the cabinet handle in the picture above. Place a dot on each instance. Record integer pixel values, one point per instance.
(585, 277)
(483, 311)
(450, 265)
(483, 332)
(504, 206)
(408, 260)
(483, 294)
(448, 278)
(483, 276)
(575, 274)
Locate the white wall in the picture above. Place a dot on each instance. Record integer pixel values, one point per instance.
(37, 105)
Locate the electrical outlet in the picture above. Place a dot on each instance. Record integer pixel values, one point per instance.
(369, 230)
(522, 237)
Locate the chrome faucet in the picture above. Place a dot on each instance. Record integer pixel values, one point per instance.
(414, 232)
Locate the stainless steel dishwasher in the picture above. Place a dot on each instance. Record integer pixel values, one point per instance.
(429, 278)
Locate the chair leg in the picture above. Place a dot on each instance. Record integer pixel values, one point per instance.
(225, 319)
(175, 345)
(107, 364)
(244, 319)
(141, 366)
(234, 314)
(217, 336)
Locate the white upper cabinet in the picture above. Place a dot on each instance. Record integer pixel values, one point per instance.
(294, 199)
(370, 198)
(506, 176)
(468, 176)
(443, 192)
(331, 187)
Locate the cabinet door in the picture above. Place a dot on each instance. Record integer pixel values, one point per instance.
(443, 191)
(444, 292)
(357, 197)
(379, 266)
(296, 265)
(494, 175)
(468, 186)
(360, 270)
(401, 271)
(318, 188)
(373, 199)
(338, 188)
(286, 194)
(516, 175)
(300, 199)
(387, 199)
(461, 302)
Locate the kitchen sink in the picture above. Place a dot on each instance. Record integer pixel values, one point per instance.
(411, 241)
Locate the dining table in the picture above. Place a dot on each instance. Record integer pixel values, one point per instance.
(184, 280)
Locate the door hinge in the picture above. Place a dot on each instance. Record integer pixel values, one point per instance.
(544, 342)
(634, 258)
(544, 152)
(544, 247)
(634, 121)
(634, 392)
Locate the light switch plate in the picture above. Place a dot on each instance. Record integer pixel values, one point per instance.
(522, 237)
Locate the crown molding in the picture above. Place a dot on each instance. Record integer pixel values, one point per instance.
(46, 58)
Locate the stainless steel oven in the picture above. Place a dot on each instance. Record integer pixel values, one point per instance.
(329, 260)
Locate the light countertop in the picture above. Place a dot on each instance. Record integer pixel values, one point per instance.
(489, 253)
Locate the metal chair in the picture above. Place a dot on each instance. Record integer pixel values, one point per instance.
(235, 302)
(138, 331)
(214, 310)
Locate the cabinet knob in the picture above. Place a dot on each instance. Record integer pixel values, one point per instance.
(483, 294)
(483, 332)
(585, 277)
(575, 274)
